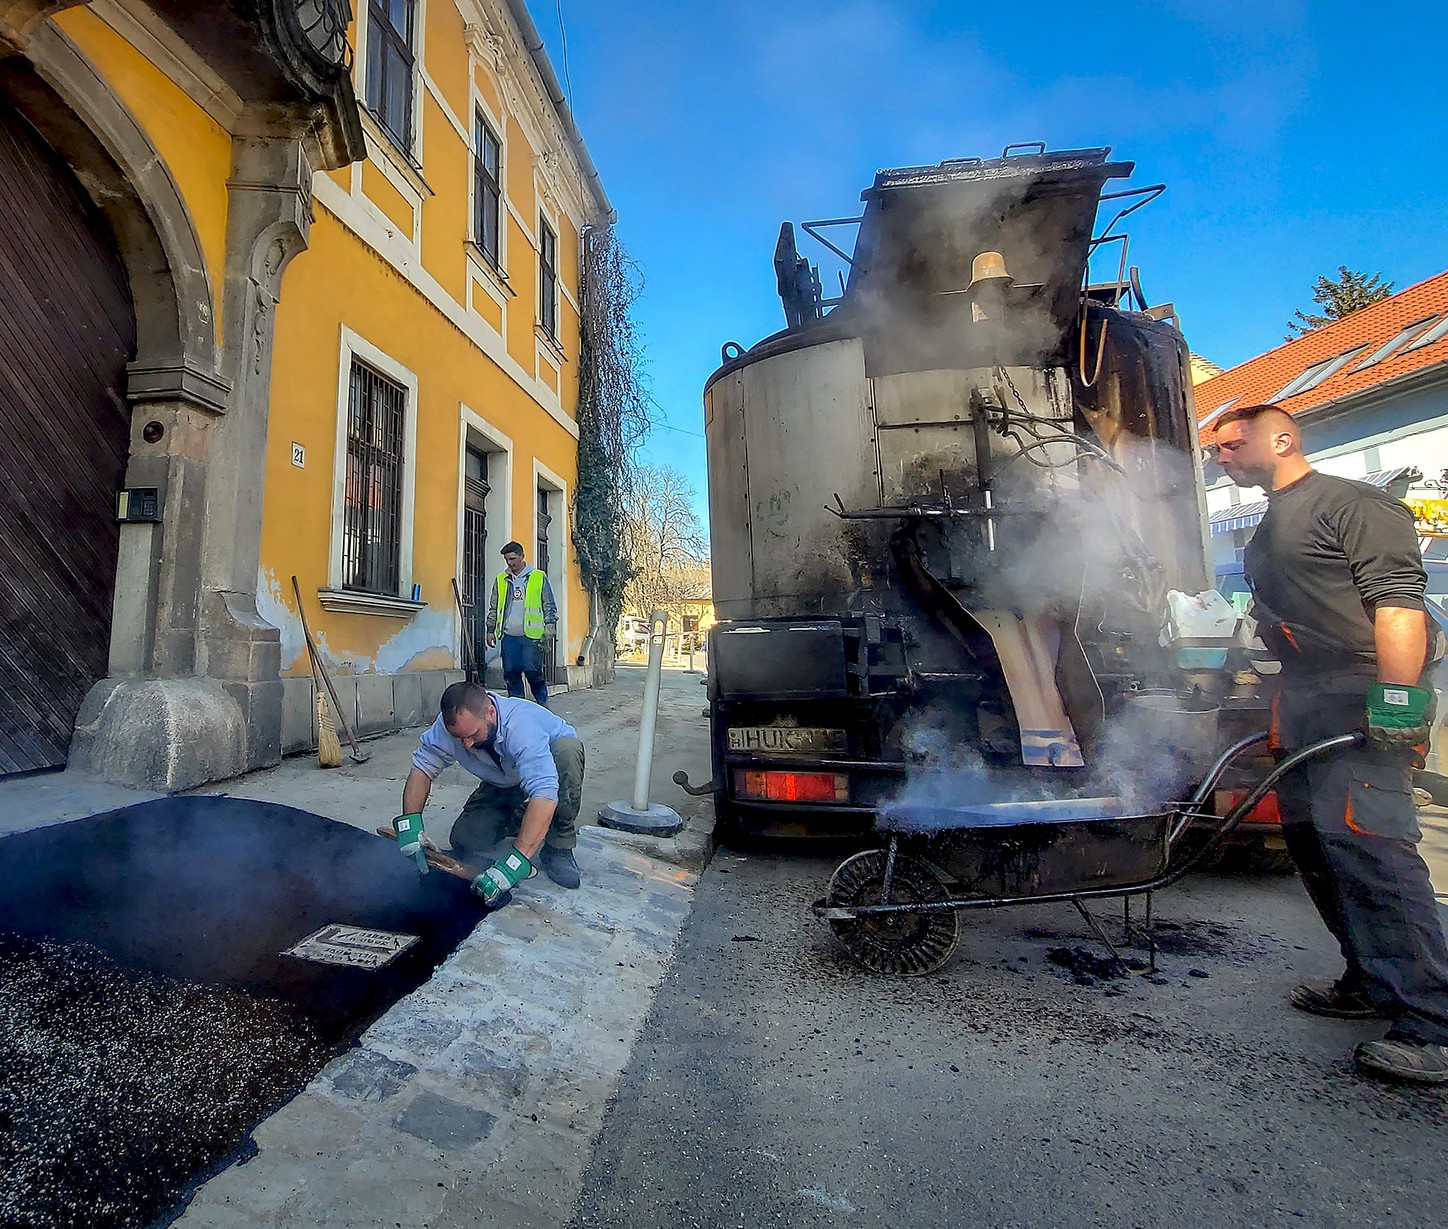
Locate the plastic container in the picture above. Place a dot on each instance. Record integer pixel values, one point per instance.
(1202, 626)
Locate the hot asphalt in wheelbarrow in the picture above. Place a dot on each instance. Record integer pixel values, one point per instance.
(148, 1016)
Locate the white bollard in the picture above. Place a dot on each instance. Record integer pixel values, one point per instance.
(638, 814)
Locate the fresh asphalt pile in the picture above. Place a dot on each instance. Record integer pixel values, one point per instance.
(120, 1087)
(149, 1016)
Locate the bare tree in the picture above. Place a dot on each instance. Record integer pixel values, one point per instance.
(670, 552)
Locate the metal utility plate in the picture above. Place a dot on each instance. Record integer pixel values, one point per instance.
(931, 817)
(352, 947)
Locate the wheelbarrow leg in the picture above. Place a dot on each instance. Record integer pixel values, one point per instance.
(1147, 931)
(1100, 934)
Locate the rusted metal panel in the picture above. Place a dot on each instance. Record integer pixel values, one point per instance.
(65, 337)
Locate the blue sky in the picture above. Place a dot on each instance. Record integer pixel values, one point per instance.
(1293, 137)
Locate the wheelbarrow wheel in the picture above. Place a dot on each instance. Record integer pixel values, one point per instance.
(901, 944)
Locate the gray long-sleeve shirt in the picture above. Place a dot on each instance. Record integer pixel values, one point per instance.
(522, 749)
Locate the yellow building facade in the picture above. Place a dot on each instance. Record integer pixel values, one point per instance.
(350, 241)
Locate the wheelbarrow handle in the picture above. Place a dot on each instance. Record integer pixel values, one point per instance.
(1238, 813)
(1214, 774)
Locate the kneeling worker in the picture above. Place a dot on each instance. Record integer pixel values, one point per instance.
(530, 766)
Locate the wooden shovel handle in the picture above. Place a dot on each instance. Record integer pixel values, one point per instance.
(436, 859)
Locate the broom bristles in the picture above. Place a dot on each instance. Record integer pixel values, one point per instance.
(329, 747)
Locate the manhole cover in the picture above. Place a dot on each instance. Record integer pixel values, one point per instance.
(351, 946)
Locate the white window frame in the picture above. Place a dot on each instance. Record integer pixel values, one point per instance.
(499, 501)
(356, 347)
(1397, 342)
(498, 259)
(1318, 373)
(413, 142)
(1434, 332)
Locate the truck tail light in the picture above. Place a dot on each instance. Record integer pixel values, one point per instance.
(773, 786)
(1265, 812)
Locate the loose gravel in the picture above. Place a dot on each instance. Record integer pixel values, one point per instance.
(120, 1090)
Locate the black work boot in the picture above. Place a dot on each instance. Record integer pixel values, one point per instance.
(1342, 1000)
(559, 866)
(1404, 1058)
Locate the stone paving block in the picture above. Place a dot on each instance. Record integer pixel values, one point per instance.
(542, 1166)
(305, 1124)
(261, 1191)
(488, 1077)
(447, 1124)
(220, 1216)
(571, 1103)
(501, 1044)
(365, 1075)
(516, 923)
(417, 1030)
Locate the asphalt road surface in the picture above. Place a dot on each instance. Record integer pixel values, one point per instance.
(777, 1083)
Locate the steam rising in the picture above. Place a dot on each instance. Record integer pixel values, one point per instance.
(1147, 756)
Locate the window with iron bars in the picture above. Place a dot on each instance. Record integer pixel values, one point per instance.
(545, 518)
(475, 586)
(487, 187)
(372, 509)
(390, 61)
(547, 278)
(543, 561)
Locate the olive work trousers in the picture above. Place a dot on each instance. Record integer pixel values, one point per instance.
(494, 813)
(1352, 829)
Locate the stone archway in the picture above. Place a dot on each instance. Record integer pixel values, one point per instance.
(194, 690)
(174, 379)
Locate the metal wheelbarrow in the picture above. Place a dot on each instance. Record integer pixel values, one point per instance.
(897, 910)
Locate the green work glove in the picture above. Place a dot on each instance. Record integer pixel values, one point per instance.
(504, 874)
(409, 839)
(1399, 716)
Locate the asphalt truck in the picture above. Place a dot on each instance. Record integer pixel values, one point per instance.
(951, 509)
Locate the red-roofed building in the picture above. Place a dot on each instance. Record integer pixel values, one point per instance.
(1371, 393)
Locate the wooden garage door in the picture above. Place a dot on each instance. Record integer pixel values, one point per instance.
(67, 330)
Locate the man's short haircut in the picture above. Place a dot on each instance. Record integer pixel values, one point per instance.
(1250, 413)
(459, 696)
(513, 548)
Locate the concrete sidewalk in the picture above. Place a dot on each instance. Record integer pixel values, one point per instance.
(477, 1098)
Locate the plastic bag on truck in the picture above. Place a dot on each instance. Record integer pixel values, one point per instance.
(1201, 627)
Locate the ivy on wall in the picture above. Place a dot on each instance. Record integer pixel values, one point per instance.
(613, 419)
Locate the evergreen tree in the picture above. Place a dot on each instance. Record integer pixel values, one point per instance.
(1351, 292)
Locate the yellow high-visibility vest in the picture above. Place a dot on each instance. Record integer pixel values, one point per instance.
(533, 625)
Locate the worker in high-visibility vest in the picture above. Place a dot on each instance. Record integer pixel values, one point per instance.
(521, 611)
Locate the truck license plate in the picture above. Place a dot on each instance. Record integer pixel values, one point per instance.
(785, 738)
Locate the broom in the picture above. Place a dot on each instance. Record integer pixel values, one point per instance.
(329, 747)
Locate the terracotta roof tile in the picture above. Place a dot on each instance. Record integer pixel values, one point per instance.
(1261, 378)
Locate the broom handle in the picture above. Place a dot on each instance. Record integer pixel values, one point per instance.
(320, 668)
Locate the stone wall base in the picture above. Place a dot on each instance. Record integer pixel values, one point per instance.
(160, 734)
